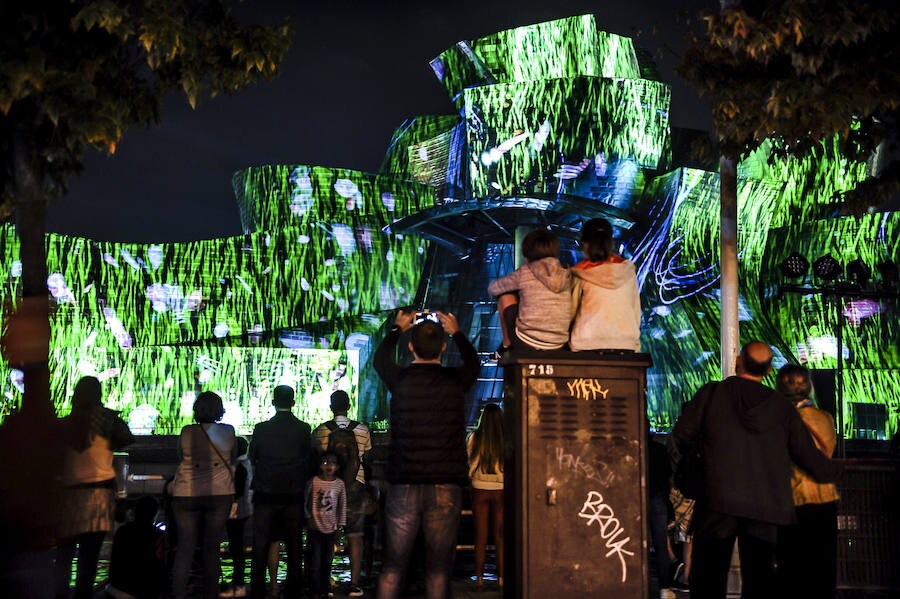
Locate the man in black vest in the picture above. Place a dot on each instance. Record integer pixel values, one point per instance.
(749, 437)
(427, 464)
(280, 453)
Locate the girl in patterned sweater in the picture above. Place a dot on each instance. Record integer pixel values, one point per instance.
(326, 513)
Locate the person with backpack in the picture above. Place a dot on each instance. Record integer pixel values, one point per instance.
(350, 441)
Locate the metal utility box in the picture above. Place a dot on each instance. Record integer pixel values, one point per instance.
(574, 472)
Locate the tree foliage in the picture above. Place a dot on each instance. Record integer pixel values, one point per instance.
(78, 73)
(799, 72)
(75, 73)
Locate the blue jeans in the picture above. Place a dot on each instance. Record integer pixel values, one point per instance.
(436, 509)
(209, 512)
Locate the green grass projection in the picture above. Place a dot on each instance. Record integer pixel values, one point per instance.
(553, 95)
(680, 291)
(557, 106)
(316, 254)
(808, 323)
(560, 49)
(154, 387)
(422, 149)
(519, 133)
(273, 197)
(810, 185)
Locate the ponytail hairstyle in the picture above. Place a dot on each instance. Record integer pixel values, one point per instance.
(487, 440)
(596, 237)
(80, 432)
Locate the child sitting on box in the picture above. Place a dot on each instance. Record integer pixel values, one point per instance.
(605, 296)
(534, 301)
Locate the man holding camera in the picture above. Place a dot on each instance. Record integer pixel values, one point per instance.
(427, 464)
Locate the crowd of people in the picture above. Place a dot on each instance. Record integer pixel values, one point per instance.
(285, 480)
(766, 480)
(293, 483)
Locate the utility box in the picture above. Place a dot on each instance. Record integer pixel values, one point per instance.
(574, 472)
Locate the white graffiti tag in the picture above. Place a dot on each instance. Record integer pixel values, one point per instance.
(594, 470)
(595, 510)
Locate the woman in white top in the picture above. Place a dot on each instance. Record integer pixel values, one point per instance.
(91, 433)
(202, 493)
(485, 448)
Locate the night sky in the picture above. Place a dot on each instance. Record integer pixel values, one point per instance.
(354, 72)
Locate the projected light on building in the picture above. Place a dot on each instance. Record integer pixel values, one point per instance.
(158, 321)
(547, 125)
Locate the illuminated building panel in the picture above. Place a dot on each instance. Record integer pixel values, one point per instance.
(564, 48)
(528, 135)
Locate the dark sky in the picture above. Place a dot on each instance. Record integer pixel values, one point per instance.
(354, 72)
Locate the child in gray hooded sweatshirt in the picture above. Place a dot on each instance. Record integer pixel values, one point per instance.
(534, 300)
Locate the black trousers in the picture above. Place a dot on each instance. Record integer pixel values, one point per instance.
(321, 554)
(235, 530)
(277, 521)
(88, 549)
(807, 552)
(714, 537)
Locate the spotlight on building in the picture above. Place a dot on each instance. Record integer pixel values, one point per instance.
(827, 268)
(858, 273)
(794, 266)
(890, 275)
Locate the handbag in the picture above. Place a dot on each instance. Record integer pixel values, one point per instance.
(687, 465)
(232, 513)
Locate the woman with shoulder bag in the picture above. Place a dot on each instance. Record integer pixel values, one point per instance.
(202, 493)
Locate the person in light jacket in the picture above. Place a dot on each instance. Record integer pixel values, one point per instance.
(605, 298)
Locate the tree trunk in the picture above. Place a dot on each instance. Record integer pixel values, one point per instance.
(728, 263)
(30, 440)
(31, 212)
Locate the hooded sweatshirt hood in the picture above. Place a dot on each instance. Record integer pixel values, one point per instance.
(609, 275)
(545, 302)
(754, 404)
(609, 309)
(551, 274)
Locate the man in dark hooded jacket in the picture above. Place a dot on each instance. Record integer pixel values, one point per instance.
(749, 438)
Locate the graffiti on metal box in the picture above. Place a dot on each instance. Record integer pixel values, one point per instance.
(596, 511)
(591, 469)
(587, 389)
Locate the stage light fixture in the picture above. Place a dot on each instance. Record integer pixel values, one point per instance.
(858, 273)
(794, 266)
(890, 275)
(827, 268)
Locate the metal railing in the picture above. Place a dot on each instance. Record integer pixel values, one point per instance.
(869, 525)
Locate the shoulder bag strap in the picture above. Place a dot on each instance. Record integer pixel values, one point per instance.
(218, 453)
